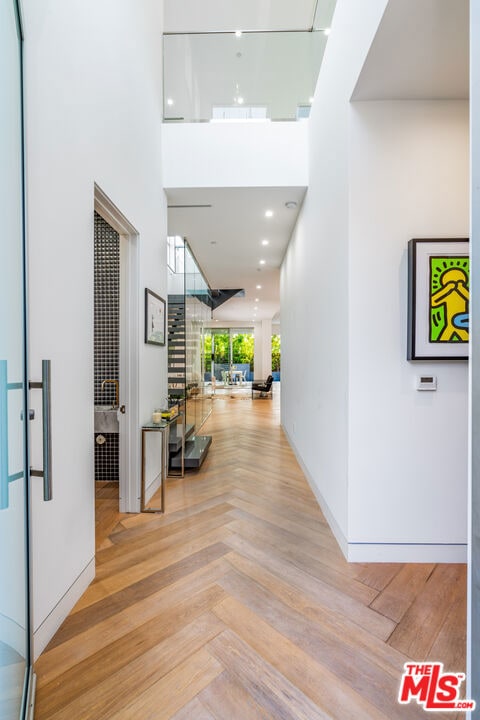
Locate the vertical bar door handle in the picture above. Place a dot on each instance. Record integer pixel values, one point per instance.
(47, 429)
(3, 435)
(46, 473)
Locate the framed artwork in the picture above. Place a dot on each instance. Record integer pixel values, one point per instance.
(438, 299)
(154, 318)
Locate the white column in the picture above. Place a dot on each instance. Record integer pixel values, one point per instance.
(263, 349)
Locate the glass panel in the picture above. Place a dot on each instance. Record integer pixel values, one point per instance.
(221, 355)
(324, 15)
(14, 626)
(188, 297)
(191, 363)
(276, 356)
(197, 314)
(269, 75)
(243, 343)
(233, 350)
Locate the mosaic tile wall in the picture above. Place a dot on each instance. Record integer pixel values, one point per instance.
(106, 458)
(106, 336)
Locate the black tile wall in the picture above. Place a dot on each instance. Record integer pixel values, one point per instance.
(106, 458)
(106, 335)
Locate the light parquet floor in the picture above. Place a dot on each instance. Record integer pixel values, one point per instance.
(237, 604)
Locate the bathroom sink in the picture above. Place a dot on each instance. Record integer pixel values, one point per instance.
(106, 419)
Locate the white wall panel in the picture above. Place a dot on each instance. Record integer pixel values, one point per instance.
(408, 449)
(93, 109)
(314, 280)
(235, 154)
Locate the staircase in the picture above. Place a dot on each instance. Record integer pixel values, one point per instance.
(176, 347)
(196, 446)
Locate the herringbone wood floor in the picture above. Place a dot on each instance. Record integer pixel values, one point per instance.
(237, 604)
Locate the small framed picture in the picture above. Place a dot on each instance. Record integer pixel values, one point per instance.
(154, 318)
(438, 299)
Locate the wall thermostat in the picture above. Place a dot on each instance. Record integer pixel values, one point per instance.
(426, 382)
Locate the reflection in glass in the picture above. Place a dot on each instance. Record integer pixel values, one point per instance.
(189, 302)
(261, 75)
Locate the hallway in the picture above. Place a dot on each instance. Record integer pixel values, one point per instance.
(238, 604)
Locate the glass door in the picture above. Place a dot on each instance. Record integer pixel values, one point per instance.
(220, 355)
(14, 575)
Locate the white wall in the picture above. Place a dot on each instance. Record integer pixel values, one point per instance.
(314, 280)
(387, 464)
(93, 108)
(407, 449)
(236, 154)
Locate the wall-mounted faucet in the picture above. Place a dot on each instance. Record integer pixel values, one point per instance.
(117, 392)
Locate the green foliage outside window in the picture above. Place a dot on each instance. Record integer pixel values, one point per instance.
(243, 349)
(222, 347)
(207, 349)
(276, 353)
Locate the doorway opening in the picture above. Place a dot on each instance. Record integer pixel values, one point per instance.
(116, 347)
(230, 349)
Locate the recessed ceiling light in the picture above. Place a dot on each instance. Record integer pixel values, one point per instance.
(265, 242)
(269, 213)
(262, 262)
(238, 33)
(291, 204)
(259, 287)
(256, 299)
(169, 101)
(327, 31)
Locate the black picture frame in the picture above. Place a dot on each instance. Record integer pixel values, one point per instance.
(431, 262)
(155, 320)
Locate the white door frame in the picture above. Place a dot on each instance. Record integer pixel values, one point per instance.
(129, 349)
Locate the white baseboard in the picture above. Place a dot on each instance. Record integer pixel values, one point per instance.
(44, 633)
(381, 552)
(406, 553)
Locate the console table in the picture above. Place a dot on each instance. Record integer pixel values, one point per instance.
(162, 427)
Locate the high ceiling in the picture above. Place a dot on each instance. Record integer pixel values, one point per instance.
(230, 15)
(420, 51)
(226, 239)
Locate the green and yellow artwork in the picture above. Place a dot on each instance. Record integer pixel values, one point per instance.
(449, 299)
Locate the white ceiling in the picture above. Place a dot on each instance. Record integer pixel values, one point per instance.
(226, 240)
(420, 51)
(236, 222)
(231, 15)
